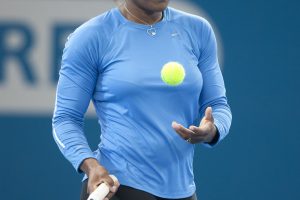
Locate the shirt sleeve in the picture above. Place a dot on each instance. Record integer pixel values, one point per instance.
(77, 79)
(213, 92)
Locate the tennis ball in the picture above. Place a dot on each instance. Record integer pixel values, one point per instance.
(172, 73)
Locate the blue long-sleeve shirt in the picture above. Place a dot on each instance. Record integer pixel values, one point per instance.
(116, 64)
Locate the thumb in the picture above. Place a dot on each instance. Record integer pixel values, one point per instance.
(208, 114)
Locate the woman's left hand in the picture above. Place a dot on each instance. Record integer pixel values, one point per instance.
(204, 133)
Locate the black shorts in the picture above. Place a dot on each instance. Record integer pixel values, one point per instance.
(129, 193)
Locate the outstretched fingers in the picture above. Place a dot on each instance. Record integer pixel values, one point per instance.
(185, 133)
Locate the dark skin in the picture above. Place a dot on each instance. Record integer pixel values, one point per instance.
(150, 12)
(97, 174)
(204, 133)
(145, 11)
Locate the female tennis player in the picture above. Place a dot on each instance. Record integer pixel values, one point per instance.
(148, 128)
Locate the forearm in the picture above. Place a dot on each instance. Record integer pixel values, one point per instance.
(77, 81)
(222, 119)
(71, 141)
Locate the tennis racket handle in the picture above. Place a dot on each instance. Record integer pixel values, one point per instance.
(102, 190)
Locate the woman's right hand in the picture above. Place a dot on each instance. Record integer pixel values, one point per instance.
(97, 174)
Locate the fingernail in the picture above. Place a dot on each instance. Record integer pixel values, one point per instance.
(174, 123)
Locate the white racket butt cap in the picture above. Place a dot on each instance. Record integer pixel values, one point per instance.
(102, 190)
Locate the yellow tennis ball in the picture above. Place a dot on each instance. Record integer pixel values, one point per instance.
(172, 73)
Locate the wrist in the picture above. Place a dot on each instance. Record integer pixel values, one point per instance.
(88, 165)
(215, 137)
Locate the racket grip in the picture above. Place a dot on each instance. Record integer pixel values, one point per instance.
(102, 190)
